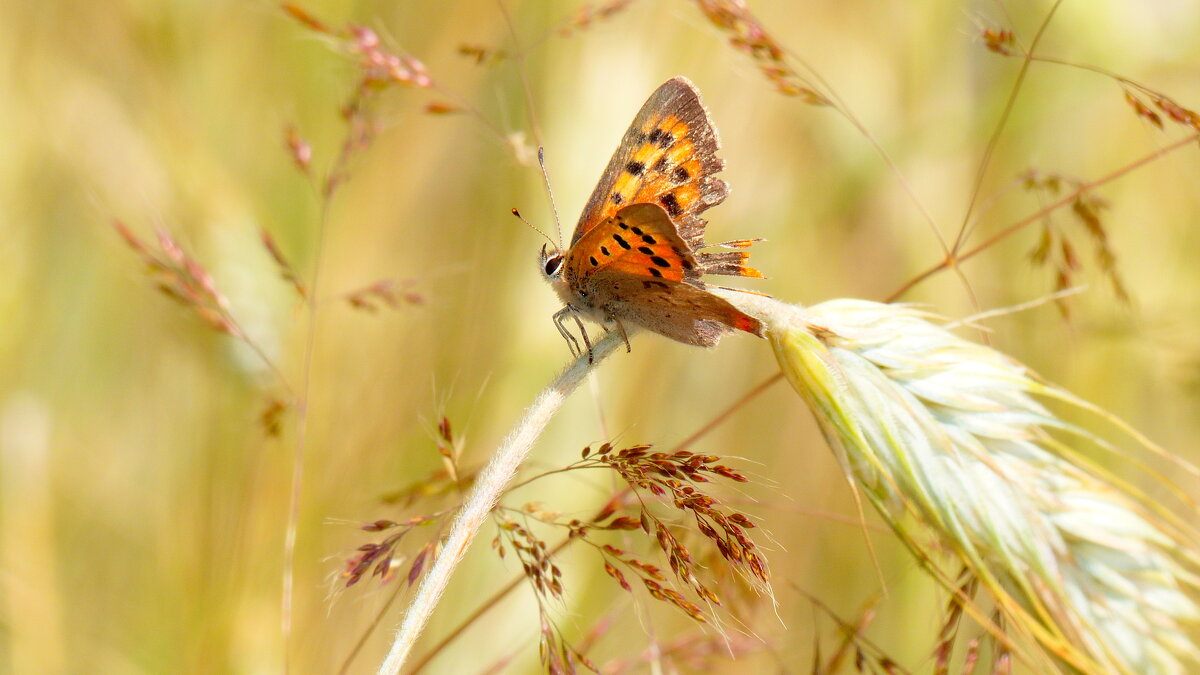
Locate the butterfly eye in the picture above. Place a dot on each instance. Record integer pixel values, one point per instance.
(553, 264)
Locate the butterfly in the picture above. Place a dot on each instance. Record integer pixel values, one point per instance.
(638, 252)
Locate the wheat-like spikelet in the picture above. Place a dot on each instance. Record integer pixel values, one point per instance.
(945, 435)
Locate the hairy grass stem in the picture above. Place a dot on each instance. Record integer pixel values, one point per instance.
(477, 508)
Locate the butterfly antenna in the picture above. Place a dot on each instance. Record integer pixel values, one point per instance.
(531, 111)
(553, 206)
(522, 219)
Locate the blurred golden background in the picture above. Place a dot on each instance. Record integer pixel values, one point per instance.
(143, 507)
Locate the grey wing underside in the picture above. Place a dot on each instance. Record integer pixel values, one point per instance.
(673, 309)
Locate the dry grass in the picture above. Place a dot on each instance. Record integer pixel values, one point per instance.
(328, 188)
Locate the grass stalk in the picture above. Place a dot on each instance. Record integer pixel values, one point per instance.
(492, 482)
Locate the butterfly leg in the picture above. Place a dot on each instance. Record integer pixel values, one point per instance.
(624, 335)
(572, 341)
(583, 332)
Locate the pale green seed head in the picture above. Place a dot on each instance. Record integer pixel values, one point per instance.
(945, 434)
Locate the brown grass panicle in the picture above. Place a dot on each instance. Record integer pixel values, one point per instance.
(1056, 249)
(589, 13)
(853, 644)
(286, 270)
(380, 558)
(380, 68)
(584, 17)
(677, 477)
(1004, 42)
(668, 498)
(392, 293)
(669, 479)
(555, 651)
(748, 35)
(180, 277)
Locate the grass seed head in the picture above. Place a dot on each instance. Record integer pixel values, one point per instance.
(950, 435)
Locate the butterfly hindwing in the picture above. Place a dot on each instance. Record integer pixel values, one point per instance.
(674, 309)
(667, 157)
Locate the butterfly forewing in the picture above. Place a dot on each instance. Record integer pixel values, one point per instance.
(667, 157)
(640, 240)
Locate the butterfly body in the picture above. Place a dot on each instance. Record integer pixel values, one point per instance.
(636, 254)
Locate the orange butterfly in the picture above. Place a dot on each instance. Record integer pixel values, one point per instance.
(636, 252)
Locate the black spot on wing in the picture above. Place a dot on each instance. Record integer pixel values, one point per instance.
(687, 264)
(680, 174)
(661, 165)
(671, 204)
(654, 271)
(661, 138)
(592, 259)
(617, 198)
(604, 250)
(661, 262)
(637, 230)
(635, 168)
(645, 250)
(649, 239)
(621, 242)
